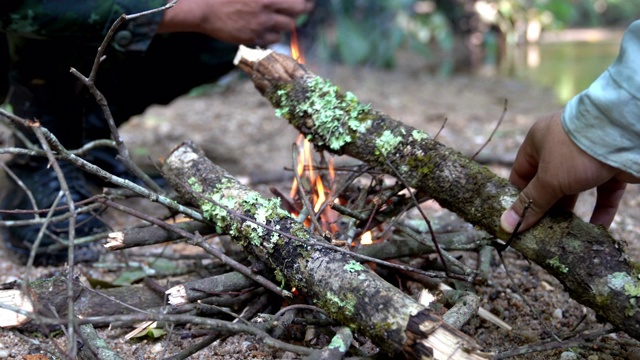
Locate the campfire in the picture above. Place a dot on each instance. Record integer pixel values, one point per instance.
(316, 181)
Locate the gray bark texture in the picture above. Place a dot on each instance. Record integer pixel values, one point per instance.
(52, 293)
(591, 264)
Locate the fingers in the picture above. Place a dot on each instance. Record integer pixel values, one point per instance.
(525, 165)
(607, 201)
(522, 176)
(567, 202)
(537, 198)
(559, 170)
(282, 17)
(293, 8)
(273, 32)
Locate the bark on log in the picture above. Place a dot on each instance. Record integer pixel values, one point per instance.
(195, 290)
(348, 291)
(150, 235)
(51, 293)
(585, 258)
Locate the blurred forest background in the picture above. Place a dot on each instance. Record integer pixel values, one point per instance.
(530, 39)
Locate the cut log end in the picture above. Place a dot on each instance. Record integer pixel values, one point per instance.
(14, 298)
(252, 55)
(280, 68)
(428, 337)
(177, 295)
(115, 241)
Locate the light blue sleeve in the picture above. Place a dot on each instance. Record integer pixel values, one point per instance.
(604, 120)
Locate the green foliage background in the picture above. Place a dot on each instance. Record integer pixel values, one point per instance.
(369, 32)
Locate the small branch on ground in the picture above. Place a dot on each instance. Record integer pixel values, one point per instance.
(581, 340)
(93, 345)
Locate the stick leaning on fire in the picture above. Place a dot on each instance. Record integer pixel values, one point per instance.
(585, 258)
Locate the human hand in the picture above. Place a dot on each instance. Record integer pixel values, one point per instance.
(552, 169)
(249, 22)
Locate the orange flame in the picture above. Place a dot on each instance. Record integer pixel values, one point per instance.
(320, 198)
(306, 171)
(332, 171)
(296, 53)
(299, 172)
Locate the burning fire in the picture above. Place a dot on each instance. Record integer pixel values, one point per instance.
(307, 172)
(296, 53)
(319, 193)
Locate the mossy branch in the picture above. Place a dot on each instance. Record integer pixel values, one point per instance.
(348, 291)
(585, 258)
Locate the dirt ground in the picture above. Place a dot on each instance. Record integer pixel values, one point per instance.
(238, 130)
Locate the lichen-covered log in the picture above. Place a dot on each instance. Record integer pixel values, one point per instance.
(348, 291)
(585, 258)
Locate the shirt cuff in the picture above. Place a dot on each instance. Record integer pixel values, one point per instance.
(604, 120)
(135, 34)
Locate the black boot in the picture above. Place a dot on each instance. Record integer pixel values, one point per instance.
(44, 185)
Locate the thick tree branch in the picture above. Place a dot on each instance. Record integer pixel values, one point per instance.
(585, 258)
(348, 291)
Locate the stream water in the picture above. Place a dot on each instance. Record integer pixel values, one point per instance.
(567, 65)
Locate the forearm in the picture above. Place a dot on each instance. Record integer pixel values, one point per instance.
(84, 21)
(604, 120)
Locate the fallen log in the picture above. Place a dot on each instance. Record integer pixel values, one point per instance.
(590, 263)
(195, 290)
(49, 297)
(348, 291)
(150, 235)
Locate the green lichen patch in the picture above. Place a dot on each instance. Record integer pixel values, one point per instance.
(418, 135)
(216, 211)
(626, 283)
(632, 289)
(353, 266)
(275, 237)
(195, 185)
(556, 264)
(387, 142)
(299, 231)
(338, 305)
(618, 280)
(335, 117)
(337, 343)
(280, 277)
(226, 201)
